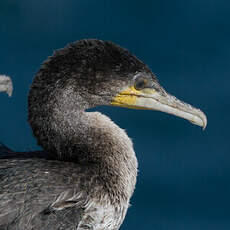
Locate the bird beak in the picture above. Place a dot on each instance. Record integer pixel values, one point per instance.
(160, 100)
(6, 84)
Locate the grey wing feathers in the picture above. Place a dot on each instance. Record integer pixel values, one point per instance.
(39, 194)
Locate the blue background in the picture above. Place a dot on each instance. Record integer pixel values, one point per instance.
(184, 173)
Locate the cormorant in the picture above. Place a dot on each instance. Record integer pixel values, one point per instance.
(6, 85)
(87, 172)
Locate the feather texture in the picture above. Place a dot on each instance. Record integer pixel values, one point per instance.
(38, 193)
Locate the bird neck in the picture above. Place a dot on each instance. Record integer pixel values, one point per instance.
(83, 137)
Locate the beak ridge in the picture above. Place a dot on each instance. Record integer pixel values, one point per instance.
(164, 102)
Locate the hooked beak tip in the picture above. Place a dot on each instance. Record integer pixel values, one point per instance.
(205, 122)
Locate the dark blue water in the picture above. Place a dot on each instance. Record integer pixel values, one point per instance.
(184, 173)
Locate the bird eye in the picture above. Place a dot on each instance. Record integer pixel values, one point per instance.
(140, 83)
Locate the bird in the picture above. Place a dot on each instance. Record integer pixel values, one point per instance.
(6, 85)
(86, 173)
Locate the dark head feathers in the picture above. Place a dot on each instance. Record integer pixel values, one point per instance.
(92, 67)
(93, 57)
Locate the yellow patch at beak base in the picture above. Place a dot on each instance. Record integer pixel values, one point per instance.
(149, 98)
(126, 98)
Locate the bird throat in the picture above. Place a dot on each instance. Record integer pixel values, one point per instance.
(72, 134)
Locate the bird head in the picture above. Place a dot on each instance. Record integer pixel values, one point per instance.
(145, 92)
(103, 73)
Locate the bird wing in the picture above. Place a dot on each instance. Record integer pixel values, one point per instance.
(41, 194)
